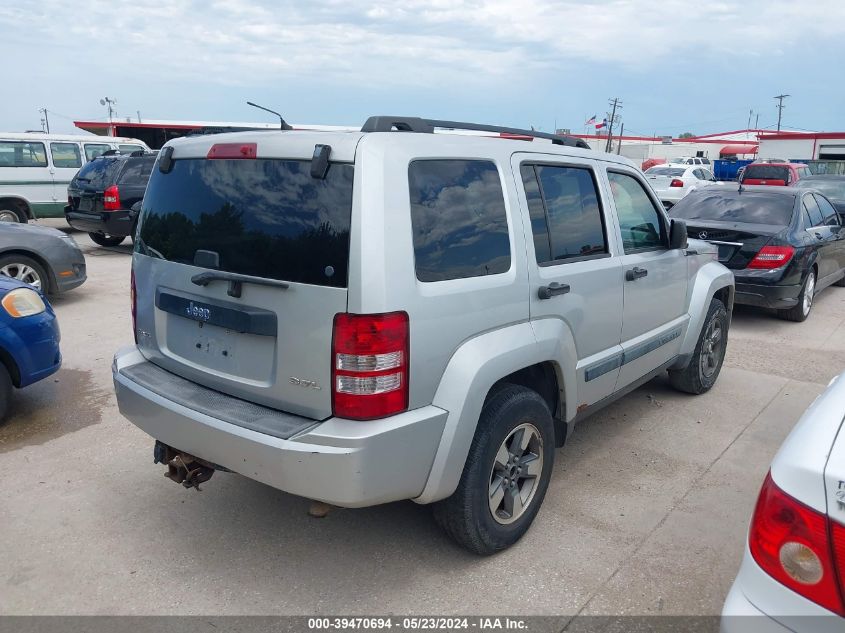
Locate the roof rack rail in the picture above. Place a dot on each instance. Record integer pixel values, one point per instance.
(426, 126)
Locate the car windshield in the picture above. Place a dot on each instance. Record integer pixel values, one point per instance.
(747, 208)
(832, 188)
(666, 171)
(266, 218)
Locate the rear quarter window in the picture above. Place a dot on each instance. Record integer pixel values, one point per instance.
(458, 218)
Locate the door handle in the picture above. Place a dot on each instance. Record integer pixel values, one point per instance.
(554, 288)
(819, 236)
(635, 273)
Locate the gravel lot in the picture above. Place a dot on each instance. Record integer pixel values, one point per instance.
(646, 512)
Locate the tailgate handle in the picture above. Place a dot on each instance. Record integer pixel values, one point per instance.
(236, 281)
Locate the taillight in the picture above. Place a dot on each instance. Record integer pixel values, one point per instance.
(133, 297)
(233, 150)
(370, 365)
(111, 198)
(676, 182)
(790, 542)
(771, 257)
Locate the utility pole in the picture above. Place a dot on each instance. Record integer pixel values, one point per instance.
(780, 107)
(46, 118)
(621, 134)
(615, 104)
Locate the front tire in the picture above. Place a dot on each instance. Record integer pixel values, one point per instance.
(106, 240)
(506, 473)
(709, 354)
(800, 311)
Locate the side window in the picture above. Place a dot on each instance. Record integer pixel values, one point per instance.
(812, 213)
(829, 215)
(708, 175)
(128, 149)
(66, 155)
(640, 221)
(699, 173)
(137, 171)
(22, 154)
(569, 218)
(92, 150)
(458, 218)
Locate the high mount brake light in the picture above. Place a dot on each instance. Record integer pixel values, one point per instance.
(111, 198)
(370, 365)
(233, 150)
(771, 257)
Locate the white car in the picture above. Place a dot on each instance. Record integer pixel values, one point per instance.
(792, 577)
(698, 161)
(672, 182)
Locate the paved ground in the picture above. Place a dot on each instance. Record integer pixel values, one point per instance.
(646, 513)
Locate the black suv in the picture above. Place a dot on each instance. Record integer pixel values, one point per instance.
(102, 194)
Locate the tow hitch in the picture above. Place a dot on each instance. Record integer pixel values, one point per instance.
(183, 468)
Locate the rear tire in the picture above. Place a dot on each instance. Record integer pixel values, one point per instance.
(5, 391)
(709, 354)
(841, 282)
(506, 473)
(25, 269)
(800, 311)
(106, 240)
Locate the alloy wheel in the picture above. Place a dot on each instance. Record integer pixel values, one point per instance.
(809, 293)
(711, 348)
(515, 475)
(22, 272)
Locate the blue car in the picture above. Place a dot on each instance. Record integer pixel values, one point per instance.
(29, 338)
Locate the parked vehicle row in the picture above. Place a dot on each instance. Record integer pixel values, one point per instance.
(35, 170)
(672, 182)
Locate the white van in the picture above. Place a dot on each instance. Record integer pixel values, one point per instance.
(35, 170)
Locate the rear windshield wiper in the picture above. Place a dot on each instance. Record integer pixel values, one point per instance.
(235, 281)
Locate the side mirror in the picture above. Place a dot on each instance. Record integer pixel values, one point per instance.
(677, 234)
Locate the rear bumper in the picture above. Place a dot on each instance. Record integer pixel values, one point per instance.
(766, 296)
(341, 462)
(117, 223)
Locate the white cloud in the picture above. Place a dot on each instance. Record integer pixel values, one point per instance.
(405, 42)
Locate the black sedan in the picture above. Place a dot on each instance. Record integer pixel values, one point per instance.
(784, 244)
(831, 186)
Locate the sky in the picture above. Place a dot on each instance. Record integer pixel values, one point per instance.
(677, 66)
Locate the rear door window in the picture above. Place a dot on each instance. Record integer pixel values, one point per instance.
(566, 218)
(66, 155)
(137, 171)
(812, 213)
(22, 154)
(458, 218)
(265, 217)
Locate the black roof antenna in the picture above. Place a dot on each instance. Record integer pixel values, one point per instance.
(284, 125)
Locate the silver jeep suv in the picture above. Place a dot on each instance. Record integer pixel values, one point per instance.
(365, 317)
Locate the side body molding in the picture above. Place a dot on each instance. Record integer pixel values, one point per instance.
(478, 364)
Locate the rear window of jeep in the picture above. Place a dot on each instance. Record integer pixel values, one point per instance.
(265, 217)
(458, 218)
